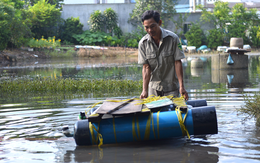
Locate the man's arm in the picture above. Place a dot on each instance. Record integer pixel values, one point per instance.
(179, 73)
(146, 72)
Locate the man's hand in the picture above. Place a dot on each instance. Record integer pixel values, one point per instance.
(184, 93)
(144, 94)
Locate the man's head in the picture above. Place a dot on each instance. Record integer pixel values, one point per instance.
(151, 14)
(151, 21)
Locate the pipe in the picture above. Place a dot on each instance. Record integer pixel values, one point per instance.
(162, 125)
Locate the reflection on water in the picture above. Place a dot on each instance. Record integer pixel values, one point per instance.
(30, 129)
(106, 68)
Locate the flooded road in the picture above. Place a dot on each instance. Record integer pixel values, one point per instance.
(30, 129)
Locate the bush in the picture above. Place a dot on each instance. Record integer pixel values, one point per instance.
(215, 38)
(91, 38)
(51, 42)
(70, 27)
(195, 35)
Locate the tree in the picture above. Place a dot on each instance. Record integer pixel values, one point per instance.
(194, 35)
(111, 21)
(166, 8)
(236, 21)
(14, 23)
(6, 14)
(45, 19)
(105, 22)
(255, 39)
(57, 3)
(97, 21)
(220, 15)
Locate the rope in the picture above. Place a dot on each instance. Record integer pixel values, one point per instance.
(136, 136)
(99, 136)
(181, 121)
(158, 123)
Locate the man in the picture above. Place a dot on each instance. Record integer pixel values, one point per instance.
(160, 53)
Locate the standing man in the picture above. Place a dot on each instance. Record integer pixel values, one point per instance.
(160, 52)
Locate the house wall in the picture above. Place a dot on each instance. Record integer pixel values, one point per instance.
(193, 18)
(83, 11)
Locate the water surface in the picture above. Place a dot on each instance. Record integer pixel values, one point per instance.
(30, 129)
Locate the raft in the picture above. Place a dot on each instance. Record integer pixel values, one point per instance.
(159, 123)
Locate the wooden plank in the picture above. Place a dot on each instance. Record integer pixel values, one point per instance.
(119, 108)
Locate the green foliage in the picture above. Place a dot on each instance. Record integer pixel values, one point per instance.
(45, 19)
(105, 22)
(56, 84)
(220, 15)
(14, 23)
(237, 20)
(41, 43)
(17, 4)
(195, 35)
(165, 7)
(237, 29)
(91, 38)
(62, 54)
(111, 20)
(57, 3)
(215, 38)
(70, 27)
(254, 36)
(97, 21)
(251, 108)
(132, 39)
(6, 14)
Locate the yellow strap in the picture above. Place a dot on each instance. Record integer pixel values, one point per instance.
(137, 137)
(99, 136)
(92, 133)
(158, 123)
(92, 106)
(181, 121)
(114, 127)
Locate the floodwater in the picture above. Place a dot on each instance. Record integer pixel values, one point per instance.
(30, 129)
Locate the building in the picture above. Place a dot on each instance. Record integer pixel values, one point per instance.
(84, 8)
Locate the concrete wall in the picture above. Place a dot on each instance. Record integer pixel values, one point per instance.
(193, 17)
(83, 11)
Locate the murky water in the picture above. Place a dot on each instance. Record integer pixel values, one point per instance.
(30, 129)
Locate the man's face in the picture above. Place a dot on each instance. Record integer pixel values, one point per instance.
(151, 27)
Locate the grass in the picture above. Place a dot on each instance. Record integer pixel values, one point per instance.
(251, 108)
(68, 52)
(60, 85)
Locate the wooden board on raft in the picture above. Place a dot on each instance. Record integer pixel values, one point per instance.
(111, 108)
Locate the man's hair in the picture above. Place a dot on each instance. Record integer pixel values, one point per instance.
(151, 14)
